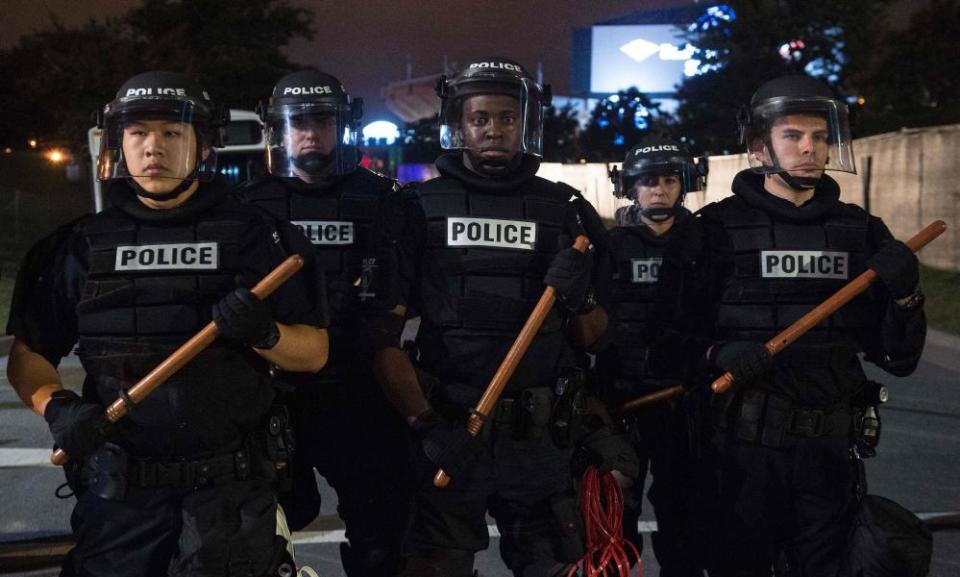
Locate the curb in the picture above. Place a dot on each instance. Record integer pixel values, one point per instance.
(942, 339)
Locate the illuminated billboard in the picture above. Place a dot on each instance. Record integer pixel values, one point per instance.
(652, 57)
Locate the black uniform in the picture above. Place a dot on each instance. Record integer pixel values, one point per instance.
(787, 476)
(186, 486)
(473, 265)
(345, 428)
(660, 434)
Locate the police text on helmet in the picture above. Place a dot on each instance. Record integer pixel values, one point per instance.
(326, 231)
(657, 148)
(159, 91)
(804, 264)
(307, 90)
(491, 232)
(500, 65)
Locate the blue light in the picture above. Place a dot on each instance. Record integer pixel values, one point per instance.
(603, 122)
(618, 139)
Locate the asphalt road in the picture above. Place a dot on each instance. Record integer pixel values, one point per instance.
(918, 466)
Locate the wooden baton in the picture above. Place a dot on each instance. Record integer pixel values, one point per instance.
(789, 335)
(188, 351)
(509, 364)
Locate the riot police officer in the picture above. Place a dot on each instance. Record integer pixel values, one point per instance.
(184, 484)
(656, 175)
(481, 241)
(783, 243)
(345, 428)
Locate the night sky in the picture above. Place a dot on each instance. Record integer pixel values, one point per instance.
(366, 44)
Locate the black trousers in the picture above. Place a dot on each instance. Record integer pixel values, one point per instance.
(360, 446)
(791, 506)
(681, 491)
(223, 529)
(524, 484)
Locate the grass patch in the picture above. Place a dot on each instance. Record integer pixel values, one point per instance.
(942, 289)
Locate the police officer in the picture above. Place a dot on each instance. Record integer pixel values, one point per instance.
(482, 241)
(345, 428)
(781, 244)
(183, 485)
(656, 175)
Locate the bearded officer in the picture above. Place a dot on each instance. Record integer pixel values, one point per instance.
(656, 175)
(482, 241)
(183, 485)
(345, 428)
(783, 243)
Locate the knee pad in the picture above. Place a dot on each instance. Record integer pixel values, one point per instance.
(439, 563)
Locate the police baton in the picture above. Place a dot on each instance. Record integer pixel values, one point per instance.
(519, 348)
(187, 351)
(789, 335)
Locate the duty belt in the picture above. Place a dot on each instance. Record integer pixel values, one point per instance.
(188, 473)
(773, 420)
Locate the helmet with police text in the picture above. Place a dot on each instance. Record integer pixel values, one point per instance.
(160, 125)
(800, 96)
(311, 126)
(645, 163)
(493, 76)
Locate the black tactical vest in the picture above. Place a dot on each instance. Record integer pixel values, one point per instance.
(784, 268)
(637, 255)
(150, 286)
(483, 265)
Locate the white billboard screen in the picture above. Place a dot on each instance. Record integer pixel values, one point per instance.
(653, 57)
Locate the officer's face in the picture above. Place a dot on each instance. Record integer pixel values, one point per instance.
(801, 145)
(316, 133)
(658, 191)
(492, 129)
(159, 153)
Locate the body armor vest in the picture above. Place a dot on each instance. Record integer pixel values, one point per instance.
(150, 286)
(343, 223)
(781, 271)
(637, 255)
(484, 261)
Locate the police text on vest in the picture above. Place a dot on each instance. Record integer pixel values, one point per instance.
(492, 232)
(336, 232)
(181, 256)
(646, 270)
(804, 264)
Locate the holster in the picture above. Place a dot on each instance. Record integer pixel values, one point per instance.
(273, 448)
(534, 413)
(104, 473)
(570, 399)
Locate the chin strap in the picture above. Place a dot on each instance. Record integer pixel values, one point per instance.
(314, 163)
(798, 182)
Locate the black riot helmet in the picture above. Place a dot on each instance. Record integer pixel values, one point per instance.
(651, 159)
(794, 95)
(182, 150)
(311, 126)
(493, 76)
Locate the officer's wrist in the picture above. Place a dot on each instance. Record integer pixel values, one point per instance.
(270, 340)
(912, 301)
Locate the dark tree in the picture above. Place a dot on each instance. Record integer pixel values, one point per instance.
(747, 42)
(560, 134)
(620, 122)
(916, 78)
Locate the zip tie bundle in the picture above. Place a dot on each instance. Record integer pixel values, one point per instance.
(608, 553)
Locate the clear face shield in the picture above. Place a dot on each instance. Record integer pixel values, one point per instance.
(311, 140)
(157, 143)
(800, 136)
(489, 116)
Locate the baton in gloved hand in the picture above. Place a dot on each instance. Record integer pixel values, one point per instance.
(187, 351)
(789, 335)
(519, 348)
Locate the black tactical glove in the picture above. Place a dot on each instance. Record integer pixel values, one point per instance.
(243, 317)
(79, 427)
(897, 267)
(448, 446)
(569, 275)
(607, 452)
(745, 360)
